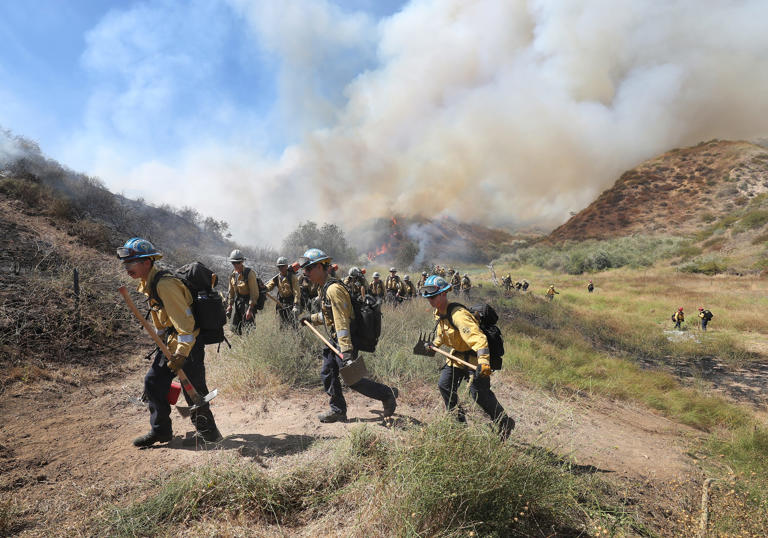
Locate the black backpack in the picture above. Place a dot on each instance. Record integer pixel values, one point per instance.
(207, 305)
(365, 328)
(707, 315)
(486, 318)
(262, 290)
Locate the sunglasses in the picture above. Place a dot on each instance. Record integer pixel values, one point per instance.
(124, 252)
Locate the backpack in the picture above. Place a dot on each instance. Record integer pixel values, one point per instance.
(365, 327)
(486, 318)
(708, 315)
(207, 305)
(262, 290)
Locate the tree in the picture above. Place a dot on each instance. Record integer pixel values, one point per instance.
(329, 238)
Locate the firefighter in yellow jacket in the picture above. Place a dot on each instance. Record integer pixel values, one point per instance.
(459, 330)
(376, 287)
(171, 311)
(242, 294)
(551, 291)
(337, 314)
(288, 293)
(394, 287)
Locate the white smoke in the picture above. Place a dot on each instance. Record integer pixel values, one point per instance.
(510, 112)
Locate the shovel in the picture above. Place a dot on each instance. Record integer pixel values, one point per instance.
(424, 347)
(190, 390)
(351, 373)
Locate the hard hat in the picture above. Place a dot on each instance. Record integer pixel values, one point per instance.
(376, 274)
(313, 256)
(136, 248)
(434, 285)
(362, 270)
(282, 260)
(680, 309)
(465, 274)
(423, 273)
(335, 266)
(236, 256)
(406, 277)
(392, 270)
(701, 309)
(355, 271)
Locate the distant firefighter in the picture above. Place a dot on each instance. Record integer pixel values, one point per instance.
(525, 285)
(590, 287)
(408, 289)
(507, 282)
(551, 291)
(705, 316)
(456, 283)
(678, 317)
(466, 285)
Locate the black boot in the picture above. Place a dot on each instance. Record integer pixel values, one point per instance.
(151, 438)
(506, 425)
(390, 404)
(332, 416)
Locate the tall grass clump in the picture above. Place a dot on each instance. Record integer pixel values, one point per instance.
(444, 479)
(577, 257)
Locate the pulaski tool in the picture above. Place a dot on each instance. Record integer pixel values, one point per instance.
(424, 347)
(193, 394)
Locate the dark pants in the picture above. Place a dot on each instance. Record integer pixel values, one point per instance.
(332, 384)
(465, 293)
(285, 312)
(677, 325)
(704, 324)
(479, 389)
(157, 383)
(238, 314)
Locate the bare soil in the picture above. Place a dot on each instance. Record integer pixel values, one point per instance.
(66, 452)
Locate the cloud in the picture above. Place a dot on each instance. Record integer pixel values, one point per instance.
(502, 113)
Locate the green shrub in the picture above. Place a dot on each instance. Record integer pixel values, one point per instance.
(753, 219)
(29, 192)
(706, 266)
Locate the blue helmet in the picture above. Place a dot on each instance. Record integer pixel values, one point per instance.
(313, 256)
(435, 285)
(136, 248)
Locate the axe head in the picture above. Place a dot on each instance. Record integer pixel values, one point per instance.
(423, 346)
(206, 399)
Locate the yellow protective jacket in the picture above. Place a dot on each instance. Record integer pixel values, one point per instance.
(243, 288)
(175, 313)
(455, 280)
(678, 316)
(466, 283)
(551, 291)
(463, 336)
(337, 314)
(393, 283)
(420, 283)
(287, 287)
(376, 288)
(354, 284)
(408, 289)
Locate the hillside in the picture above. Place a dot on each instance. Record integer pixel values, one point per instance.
(675, 193)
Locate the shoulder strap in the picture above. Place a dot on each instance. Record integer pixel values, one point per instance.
(153, 285)
(246, 271)
(449, 315)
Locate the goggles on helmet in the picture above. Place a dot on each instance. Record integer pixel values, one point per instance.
(430, 290)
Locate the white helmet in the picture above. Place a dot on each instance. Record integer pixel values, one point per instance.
(282, 260)
(355, 271)
(376, 274)
(236, 256)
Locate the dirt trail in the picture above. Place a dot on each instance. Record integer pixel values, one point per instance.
(64, 456)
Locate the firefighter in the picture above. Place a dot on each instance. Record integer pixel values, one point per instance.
(525, 285)
(421, 281)
(243, 293)
(468, 342)
(466, 285)
(355, 283)
(337, 315)
(173, 320)
(456, 283)
(678, 317)
(551, 291)
(590, 287)
(705, 316)
(288, 293)
(518, 285)
(409, 290)
(393, 287)
(376, 288)
(507, 283)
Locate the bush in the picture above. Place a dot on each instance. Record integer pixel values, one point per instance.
(706, 266)
(753, 219)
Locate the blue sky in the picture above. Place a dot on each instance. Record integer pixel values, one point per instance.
(267, 113)
(144, 75)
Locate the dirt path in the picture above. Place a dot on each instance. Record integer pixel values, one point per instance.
(65, 456)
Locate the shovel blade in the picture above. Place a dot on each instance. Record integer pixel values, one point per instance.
(422, 346)
(206, 399)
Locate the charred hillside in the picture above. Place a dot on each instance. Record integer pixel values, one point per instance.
(675, 193)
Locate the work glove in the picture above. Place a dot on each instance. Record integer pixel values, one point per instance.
(347, 358)
(295, 311)
(249, 314)
(483, 370)
(229, 310)
(306, 318)
(176, 362)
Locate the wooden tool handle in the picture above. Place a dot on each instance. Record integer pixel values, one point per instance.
(460, 361)
(321, 337)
